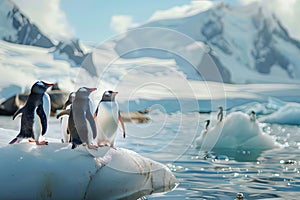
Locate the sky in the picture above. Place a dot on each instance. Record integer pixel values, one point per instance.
(98, 20)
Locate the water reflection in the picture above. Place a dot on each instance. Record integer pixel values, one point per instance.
(240, 155)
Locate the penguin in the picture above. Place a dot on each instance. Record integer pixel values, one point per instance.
(207, 124)
(64, 119)
(220, 114)
(239, 196)
(252, 116)
(107, 116)
(35, 114)
(81, 122)
(203, 132)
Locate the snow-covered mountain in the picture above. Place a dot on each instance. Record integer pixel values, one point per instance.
(70, 50)
(22, 65)
(247, 43)
(163, 60)
(15, 27)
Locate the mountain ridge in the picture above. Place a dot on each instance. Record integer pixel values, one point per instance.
(17, 28)
(246, 44)
(241, 37)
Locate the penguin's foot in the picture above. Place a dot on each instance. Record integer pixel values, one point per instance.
(41, 142)
(31, 140)
(105, 145)
(90, 146)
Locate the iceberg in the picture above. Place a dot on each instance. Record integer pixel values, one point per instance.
(55, 171)
(287, 114)
(236, 136)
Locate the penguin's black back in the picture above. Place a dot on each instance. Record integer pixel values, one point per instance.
(78, 123)
(27, 118)
(80, 108)
(74, 136)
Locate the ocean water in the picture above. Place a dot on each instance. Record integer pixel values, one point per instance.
(169, 139)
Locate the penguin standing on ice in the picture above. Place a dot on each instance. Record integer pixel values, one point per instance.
(220, 114)
(35, 114)
(64, 116)
(252, 116)
(207, 122)
(81, 124)
(107, 116)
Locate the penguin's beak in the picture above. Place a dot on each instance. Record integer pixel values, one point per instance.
(49, 84)
(92, 89)
(115, 93)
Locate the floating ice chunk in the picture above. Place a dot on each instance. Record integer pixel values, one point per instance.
(288, 114)
(236, 133)
(55, 171)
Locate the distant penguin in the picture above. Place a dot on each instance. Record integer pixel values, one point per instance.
(107, 116)
(252, 116)
(81, 124)
(64, 116)
(203, 132)
(239, 196)
(220, 114)
(35, 114)
(207, 124)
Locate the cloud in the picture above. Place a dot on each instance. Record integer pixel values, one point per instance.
(48, 16)
(182, 11)
(121, 23)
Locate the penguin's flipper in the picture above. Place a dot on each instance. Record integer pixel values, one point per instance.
(91, 120)
(96, 113)
(74, 145)
(122, 124)
(43, 118)
(15, 140)
(62, 113)
(18, 112)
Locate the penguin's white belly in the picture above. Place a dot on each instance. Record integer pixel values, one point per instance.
(37, 124)
(64, 127)
(107, 123)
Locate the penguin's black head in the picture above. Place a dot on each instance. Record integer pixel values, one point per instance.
(207, 122)
(71, 97)
(109, 95)
(221, 108)
(40, 87)
(84, 92)
(252, 116)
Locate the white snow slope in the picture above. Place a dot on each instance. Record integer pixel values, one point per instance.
(22, 65)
